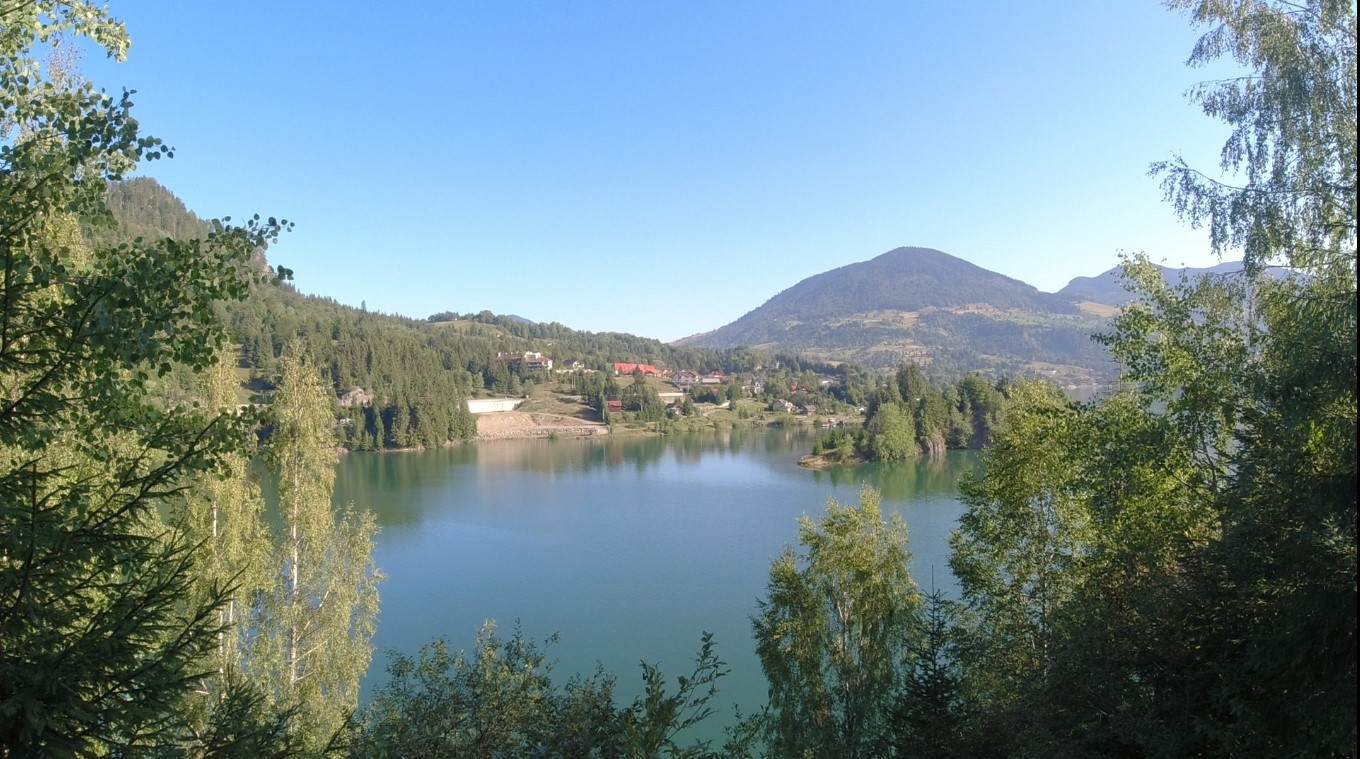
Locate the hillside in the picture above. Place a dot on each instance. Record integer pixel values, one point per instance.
(415, 373)
(927, 306)
(1108, 288)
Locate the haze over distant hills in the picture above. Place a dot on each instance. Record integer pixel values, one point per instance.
(1108, 288)
(923, 305)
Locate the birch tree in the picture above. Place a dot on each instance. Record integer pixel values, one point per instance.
(319, 619)
(224, 516)
(833, 630)
(1019, 551)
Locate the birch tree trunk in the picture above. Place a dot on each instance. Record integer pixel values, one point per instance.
(322, 616)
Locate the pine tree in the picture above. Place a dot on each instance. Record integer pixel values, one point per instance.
(102, 635)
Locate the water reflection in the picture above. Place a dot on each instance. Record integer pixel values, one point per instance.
(629, 546)
(569, 455)
(926, 476)
(405, 489)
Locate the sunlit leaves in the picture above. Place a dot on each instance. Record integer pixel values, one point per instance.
(833, 629)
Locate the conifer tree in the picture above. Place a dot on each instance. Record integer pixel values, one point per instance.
(102, 638)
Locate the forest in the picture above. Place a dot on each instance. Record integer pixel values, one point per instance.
(1169, 570)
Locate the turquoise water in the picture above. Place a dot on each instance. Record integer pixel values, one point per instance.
(628, 548)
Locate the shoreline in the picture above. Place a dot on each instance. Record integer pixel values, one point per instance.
(531, 425)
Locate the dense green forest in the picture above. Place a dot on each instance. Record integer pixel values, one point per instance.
(909, 415)
(1167, 571)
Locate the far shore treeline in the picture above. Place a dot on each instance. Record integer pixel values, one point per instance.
(1168, 570)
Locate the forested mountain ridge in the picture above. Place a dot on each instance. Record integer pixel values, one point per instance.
(144, 208)
(920, 304)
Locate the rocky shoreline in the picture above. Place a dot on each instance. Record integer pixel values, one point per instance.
(509, 425)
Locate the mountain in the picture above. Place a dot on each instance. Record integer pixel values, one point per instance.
(905, 279)
(1108, 288)
(924, 305)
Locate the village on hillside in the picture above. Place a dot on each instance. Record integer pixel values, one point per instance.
(569, 398)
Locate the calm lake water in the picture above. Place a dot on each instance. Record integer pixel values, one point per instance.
(628, 548)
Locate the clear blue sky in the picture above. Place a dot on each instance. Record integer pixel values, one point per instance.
(661, 168)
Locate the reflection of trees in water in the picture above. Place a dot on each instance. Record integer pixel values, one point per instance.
(785, 439)
(690, 446)
(645, 452)
(905, 480)
(573, 455)
(372, 479)
(640, 452)
(386, 482)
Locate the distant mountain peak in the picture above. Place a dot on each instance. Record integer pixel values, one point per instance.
(903, 279)
(916, 303)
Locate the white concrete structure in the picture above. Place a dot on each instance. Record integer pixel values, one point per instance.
(488, 405)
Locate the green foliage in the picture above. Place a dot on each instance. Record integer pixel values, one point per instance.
(502, 701)
(223, 515)
(1195, 595)
(910, 414)
(104, 633)
(930, 713)
(892, 436)
(317, 625)
(1020, 550)
(833, 630)
(1293, 132)
(639, 395)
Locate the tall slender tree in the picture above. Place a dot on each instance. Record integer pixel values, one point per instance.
(318, 623)
(1019, 551)
(223, 514)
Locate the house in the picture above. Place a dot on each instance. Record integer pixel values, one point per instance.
(571, 365)
(535, 362)
(712, 378)
(621, 368)
(613, 406)
(685, 378)
(528, 361)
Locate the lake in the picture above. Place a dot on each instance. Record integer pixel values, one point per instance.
(627, 547)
